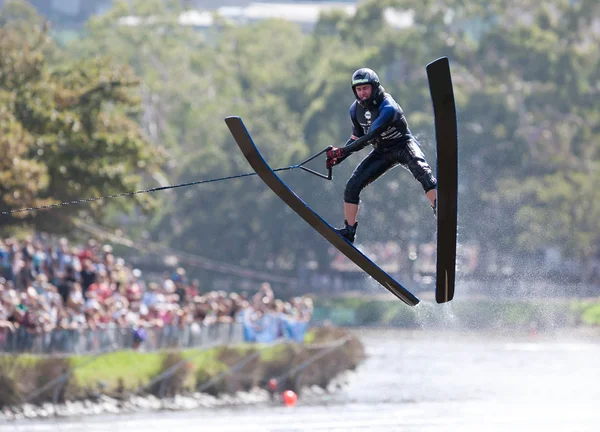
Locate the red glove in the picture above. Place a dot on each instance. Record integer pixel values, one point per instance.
(335, 156)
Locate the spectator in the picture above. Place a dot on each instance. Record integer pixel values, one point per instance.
(88, 275)
(61, 296)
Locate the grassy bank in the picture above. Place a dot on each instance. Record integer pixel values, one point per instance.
(469, 314)
(121, 374)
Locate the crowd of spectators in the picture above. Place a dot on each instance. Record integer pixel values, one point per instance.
(49, 284)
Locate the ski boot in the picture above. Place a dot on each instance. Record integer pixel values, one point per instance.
(348, 232)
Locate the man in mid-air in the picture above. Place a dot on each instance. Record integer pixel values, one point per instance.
(378, 120)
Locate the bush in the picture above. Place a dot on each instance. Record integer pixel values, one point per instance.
(324, 369)
(48, 370)
(12, 388)
(23, 379)
(591, 315)
(204, 374)
(243, 378)
(177, 372)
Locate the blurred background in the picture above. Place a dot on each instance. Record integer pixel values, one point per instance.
(102, 97)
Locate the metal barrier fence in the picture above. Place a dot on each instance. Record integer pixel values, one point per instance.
(113, 337)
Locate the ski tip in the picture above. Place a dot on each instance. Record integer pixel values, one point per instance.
(228, 118)
(442, 61)
(444, 300)
(444, 290)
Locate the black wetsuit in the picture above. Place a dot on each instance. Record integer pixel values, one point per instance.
(384, 126)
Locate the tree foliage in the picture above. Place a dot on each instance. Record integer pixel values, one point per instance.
(526, 78)
(69, 126)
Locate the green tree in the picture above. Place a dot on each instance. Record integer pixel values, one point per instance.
(525, 77)
(551, 69)
(71, 126)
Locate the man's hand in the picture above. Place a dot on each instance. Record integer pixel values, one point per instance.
(335, 156)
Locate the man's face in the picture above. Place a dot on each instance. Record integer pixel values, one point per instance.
(363, 91)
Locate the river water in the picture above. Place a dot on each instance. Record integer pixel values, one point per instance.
(414, 381)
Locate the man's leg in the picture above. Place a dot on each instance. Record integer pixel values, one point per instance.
(350, 212)
(414, 160)
(370, 169)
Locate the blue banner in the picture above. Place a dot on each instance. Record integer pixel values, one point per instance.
(271, 327)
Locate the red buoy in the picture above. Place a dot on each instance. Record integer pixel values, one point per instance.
(289, 398)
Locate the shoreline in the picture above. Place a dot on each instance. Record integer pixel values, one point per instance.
(106, 405)
(37, 387)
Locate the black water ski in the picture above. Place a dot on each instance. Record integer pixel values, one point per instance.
(446, 135)
(264, 171)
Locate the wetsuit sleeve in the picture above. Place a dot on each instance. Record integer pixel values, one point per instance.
(380, 125)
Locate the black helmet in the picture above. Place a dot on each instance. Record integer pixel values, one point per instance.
(366, 76)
